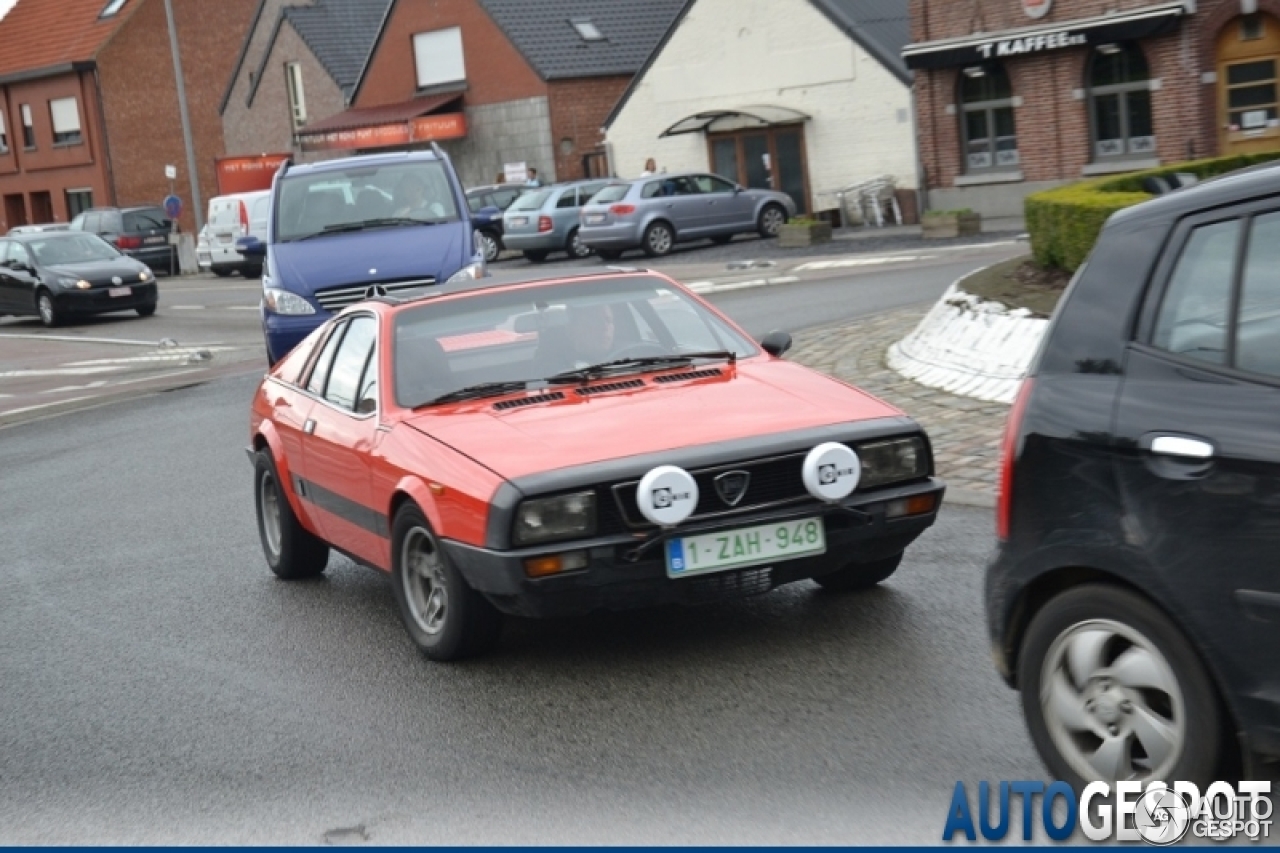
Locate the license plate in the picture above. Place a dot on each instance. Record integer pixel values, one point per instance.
(120, 291)
(746, 546)
(519, 220)
(594, 218)
(153, 239)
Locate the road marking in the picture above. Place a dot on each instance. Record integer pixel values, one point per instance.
(66, 388)
(44, 406)
(75, 339)
(57, 371)
(185, 307)
(841, 263)
(242, 307)
(177, 354)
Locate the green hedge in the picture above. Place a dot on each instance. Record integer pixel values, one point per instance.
(1063, 223)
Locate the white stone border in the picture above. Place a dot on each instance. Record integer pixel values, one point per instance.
(971, 347)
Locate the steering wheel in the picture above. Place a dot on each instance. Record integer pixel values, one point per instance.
(640, 350)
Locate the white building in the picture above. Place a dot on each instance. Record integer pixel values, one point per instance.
(807, 96)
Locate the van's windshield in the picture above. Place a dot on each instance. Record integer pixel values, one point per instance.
(365, 197)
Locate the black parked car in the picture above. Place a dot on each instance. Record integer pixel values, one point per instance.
(487, 205)
(58, 273)
(139, 232)
(1134, 598)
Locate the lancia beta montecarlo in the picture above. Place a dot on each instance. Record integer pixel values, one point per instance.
(557, 446)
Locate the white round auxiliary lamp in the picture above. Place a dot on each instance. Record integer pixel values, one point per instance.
(831, 472)
(667, 495)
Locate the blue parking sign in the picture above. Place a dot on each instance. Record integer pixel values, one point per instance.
(172, 206)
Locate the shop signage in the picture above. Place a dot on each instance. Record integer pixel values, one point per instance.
(1031, 44)
(422, 129)
(1036, 8)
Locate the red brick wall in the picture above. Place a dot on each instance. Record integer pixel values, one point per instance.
(1052, 124)
(496, 71)
(578, 111)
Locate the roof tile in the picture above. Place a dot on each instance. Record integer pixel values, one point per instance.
(42, 33)
(340, 33)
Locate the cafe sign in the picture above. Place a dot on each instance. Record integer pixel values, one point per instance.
(1031, 44)
(1036, 8)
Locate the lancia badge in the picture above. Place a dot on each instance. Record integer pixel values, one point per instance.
(731, 486)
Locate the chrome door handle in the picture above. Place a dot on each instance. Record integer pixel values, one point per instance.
(309, 427)
(1181, 445)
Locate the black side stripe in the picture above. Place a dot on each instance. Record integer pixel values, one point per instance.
(345, 508)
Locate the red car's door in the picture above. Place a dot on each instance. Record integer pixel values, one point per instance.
(338, 437)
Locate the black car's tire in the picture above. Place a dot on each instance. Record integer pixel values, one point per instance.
(1101, 667)
(658, 239)
(292, 551)
(223, 272)
(537, 256)
(251, 272)
(574, 245)
(771, 220)
(492, 246)
(856, 576)
(609, 254)
(721, 239)
(446, 619)
(146, 310)
(47, 309)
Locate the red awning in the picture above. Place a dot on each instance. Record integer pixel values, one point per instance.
(386, 114)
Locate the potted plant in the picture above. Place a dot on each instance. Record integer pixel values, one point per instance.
(804, 231)
(950, 223)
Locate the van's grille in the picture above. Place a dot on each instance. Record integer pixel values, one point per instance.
(337, 298)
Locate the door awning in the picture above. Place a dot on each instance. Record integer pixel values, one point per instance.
(417, 120)
(741, 118)
(1131, 24)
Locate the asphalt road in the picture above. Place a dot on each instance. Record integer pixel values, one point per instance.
(160, 686)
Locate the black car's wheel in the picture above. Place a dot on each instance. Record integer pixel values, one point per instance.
(721, 239)
(609, 254)
(292, 551)
(575, 247)
(146, 310)
(1111, 690)
(490, 244)
(856, 576)
(771, 220)
(251, 272)
(537, 256)
(48, 311)
(658, 239)
(446, 619)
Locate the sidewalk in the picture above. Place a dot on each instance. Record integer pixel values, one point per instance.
(965, 433)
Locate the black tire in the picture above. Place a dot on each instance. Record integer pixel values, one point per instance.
(292, 551)
(251, 272)
(446, 619)
(658, 239)
(575, 247)
(536, 256)
(609, 254)
(146, 310)
(721, 239)
(770, 221)
(492, 246)
(50, 316)
(856, 576)
(223, 272)
(1093, 615)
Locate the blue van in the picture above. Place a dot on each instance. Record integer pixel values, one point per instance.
(341, 229)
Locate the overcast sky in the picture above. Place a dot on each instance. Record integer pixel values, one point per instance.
(5, 6)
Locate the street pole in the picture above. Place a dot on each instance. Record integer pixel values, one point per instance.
(197, 209)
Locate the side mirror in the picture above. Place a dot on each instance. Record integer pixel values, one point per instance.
(776, 343)
(251, 247)
(736, 189)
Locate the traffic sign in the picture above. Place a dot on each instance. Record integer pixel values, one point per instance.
(171, 172)
(172, 206)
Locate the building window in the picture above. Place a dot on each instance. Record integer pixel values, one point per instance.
(28, 128)
(66, 121)
(586, 29)
(990, 138)
(1120, 93)
(437, 57)
(297, 100)
(78, 201)
(1251, 94)
(4, 134)
(111, 8)
(1251, 27)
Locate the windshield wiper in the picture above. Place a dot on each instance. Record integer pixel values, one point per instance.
(624, 365)
(385, 222)
(484, 389)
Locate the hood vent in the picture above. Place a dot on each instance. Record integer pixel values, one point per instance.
(692, 374)
(610, 386)
(528, 401)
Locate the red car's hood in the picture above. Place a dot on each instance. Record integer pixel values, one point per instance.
(755, 398)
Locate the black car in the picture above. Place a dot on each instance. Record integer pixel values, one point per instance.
(139, 232)
(55, 274)
(487, 205)
(1134, 597)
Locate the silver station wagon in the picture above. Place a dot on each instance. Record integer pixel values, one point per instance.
(656, 212)
(545, 220)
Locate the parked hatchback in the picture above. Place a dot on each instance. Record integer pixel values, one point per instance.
(139, 232)
(655, 213)
(59, 274)
(546, 220)
(1134, 598)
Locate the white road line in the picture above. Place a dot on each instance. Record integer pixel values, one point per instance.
(76, 339)
(43, 406)
(242, 307)
(66, 388)
(170, 355)
(185, 307)
(58, 371)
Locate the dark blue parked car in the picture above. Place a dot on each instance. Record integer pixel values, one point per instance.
(487, 204)
(343, 229)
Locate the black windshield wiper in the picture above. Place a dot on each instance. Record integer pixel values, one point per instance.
(484, 389)
(386, 222)
(623, 365)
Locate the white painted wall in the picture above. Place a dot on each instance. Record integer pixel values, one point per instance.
(736, 53)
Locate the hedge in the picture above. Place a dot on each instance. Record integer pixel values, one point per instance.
(1063, 223)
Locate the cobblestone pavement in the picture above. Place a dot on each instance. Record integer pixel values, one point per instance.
(965, 433)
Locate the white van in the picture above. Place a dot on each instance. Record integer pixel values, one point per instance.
(230, 218)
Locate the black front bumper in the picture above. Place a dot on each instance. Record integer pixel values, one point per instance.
(616, 579)
(100, 301)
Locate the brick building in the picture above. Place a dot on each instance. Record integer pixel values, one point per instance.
(1020, 95)
(492, 81)
(810, 97)
(89, 110)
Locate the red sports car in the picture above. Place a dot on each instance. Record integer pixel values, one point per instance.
(567, 444)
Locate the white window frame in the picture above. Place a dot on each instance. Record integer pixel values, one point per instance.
(297, 96)
(28, 127)
(4, 133)
(438, 57)
(64, 113)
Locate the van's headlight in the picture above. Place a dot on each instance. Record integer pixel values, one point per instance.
(471, 272)
(563, 517)
(284, 302)
(892, 461)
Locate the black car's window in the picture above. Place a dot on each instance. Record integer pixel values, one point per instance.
(145, 220)
(110, 223)
(320, 373)
(475, 203)
(712, 184)
(612, 192)
(65, 248)
(568, 198)
(1258, 323)
(1194, 315)
(349, 363)
(19, 256)
(4, 252)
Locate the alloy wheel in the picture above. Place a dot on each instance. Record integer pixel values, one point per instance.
(772, 221)
(269, 507)
(490, 247)
(424, 581)
(44, 304)
(659, 240)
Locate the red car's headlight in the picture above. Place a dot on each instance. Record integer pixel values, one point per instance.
(550, 519)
